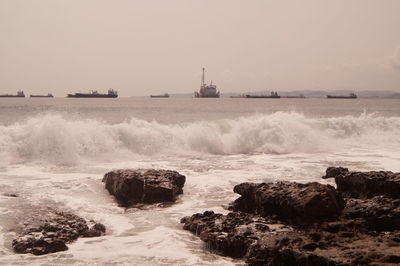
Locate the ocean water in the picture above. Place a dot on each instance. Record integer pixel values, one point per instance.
(54, 152)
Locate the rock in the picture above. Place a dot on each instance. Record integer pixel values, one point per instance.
(11, 195)
(290, 202)
(365, 185)
(376, 214)
(258, 242)
(335, 171)
(144, 186)
(54, 232)
(97, 229)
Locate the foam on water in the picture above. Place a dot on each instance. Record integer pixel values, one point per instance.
(59, 140)
(59, 161)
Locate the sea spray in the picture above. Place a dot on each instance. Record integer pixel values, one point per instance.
(58, 139)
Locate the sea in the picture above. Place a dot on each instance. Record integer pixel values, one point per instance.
(55, 152)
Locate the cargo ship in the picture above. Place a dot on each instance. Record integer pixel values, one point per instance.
(20, 94)
(49, 95)
(165, 95)
(350, 96)
(273, 95)
(94, 94)
(206, 91)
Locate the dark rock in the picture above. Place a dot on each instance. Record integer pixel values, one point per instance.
(54, 233)
(236, 235)
(12, 195)
(378, 214)
(335, 171)
(365, 185)
(97, 229)
(289, 202)
(144, 186)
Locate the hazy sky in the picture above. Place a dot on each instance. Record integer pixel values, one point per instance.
(147, 47)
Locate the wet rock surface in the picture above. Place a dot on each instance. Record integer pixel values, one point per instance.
(53, 233)
(353, 231)
(365, 185)
(290, 202)
(131, 186)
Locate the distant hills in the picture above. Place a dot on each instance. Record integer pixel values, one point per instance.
(308, 93)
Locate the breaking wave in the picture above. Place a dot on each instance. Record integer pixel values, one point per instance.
(60, 140)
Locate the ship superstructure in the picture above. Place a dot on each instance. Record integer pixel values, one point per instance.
(206, 91)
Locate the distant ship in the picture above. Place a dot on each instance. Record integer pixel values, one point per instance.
(20, 94)
(206, 91)
(165, 95)
(274, 95)
(350, 96)
(49, 95)
(94, 94)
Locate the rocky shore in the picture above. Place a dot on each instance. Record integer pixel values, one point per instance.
(310, 224)
(53, 232)
(50, 230)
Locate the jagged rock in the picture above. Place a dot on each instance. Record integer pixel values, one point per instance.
(254, 239)
(377, 214)
(144, 186)
(53, 233)
(335, 171)
(365, 185)
(290, 202)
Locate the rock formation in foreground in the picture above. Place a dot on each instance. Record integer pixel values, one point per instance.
(144, 185)
(279, 224)
(53, 233)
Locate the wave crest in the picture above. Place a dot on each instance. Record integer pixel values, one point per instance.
(61, 140)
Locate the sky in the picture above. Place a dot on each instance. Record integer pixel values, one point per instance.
(156, 46)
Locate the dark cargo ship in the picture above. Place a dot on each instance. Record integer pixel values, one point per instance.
(350, 96)
(20, 94)
(94, 94)
(274, 95)
(206, 91)
(49, 95)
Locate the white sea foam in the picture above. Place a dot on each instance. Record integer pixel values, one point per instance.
(58, 139)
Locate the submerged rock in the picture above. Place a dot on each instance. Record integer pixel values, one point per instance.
(288, 201)
(144, 186)
(54, 232)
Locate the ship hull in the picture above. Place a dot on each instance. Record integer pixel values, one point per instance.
(207, 96)
(159, 96)
(11, 96)
(91, 96)
(41, 96)
(262, 97)
(341, 97)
